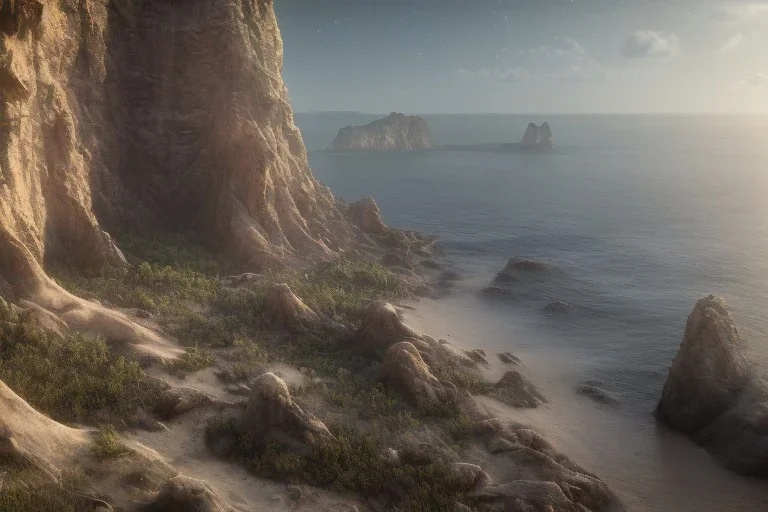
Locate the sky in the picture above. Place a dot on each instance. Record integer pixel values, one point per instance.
(526, 56)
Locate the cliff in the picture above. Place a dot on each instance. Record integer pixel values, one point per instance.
(396, 132)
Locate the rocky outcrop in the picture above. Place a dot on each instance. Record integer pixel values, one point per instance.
(516, 269)
(272, 416)
(536, 476)
(517, 391)
(538, 138)
(711, 395)
(381, 328)
(404, 370)
(709, 372)
(366, 215)
(285, 310)
(396, 132)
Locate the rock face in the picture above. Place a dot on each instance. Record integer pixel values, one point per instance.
(709, 372)
(517, 391)
(272, 416)
(711, 395)
(178, 118)
(538, 138)
(366, 215)
(182, 494)
(396, 132)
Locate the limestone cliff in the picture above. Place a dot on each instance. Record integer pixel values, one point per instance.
(396, 132)
(149, 114)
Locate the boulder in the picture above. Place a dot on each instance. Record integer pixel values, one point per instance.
(597, 393)
(517, 391)
(365, 214)
(271, 416)
(285, 310)
(381, 328)
(469, 477)
(545, 137)
(508, 358)
(709, 371)
(404, 370)
(477, 355)
(184, 494)
(175, 401)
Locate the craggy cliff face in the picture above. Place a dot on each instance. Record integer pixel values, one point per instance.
(149, 113)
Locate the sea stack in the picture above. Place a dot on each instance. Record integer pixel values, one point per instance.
(711, 395)
(538, 138)
(396, 132)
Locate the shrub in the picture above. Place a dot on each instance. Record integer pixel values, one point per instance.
(72, 379)
(107, 444)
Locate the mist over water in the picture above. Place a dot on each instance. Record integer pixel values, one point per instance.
(641, 216)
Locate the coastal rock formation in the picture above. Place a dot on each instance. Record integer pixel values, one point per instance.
(285, 310)
(517, 391)
(711, 394)
(517, 268)
(538, 138)
(404, 370)
(709, 372)
(595, 391)
(396, 132)
(381, 328)
(366, 215)
(178, 119)
(272, 416)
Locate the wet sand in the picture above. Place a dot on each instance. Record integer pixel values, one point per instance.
(651, 468)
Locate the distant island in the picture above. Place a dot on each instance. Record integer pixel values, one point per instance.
(538, 138)
(396, 132)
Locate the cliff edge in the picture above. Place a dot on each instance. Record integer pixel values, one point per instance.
(396, 132)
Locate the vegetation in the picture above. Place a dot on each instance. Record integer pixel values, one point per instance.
(352, 461)
(107, 444)
(23, 489)
(75, 378)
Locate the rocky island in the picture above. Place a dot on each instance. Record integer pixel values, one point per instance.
(190, 321)
(538, 138)
(396, 132)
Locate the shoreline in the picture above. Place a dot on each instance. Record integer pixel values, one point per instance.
(652, 468)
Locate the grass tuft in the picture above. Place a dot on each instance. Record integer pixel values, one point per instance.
(107, 445)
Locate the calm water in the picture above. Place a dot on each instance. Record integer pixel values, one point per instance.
(641, 215)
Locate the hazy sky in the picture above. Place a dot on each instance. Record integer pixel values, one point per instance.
(542, 56)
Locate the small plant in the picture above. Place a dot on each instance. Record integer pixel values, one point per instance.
(194, 359)
(107, 445)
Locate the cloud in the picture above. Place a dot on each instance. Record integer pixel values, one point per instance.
(736, 12)
(649, 44)
(757, 82)
(731, 44)
(570, 49)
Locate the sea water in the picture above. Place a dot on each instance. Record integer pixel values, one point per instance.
(639, 216)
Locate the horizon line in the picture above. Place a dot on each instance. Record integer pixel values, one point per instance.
(538, 113)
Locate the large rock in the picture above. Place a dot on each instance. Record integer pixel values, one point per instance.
(404, 370)
(396, 132)
(711, 395)
(709, 371)
(531, 136)
(517, 391)
(272, 416)
(381, 328)
(366, 215)
(285, 310)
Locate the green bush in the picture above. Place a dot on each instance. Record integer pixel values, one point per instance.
(107, 444)
(72, 379)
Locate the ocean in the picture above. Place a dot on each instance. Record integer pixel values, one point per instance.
(640, 216)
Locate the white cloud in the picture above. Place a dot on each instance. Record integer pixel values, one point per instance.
(757, 82)
(738, 12)
(649, 44)
(731, 44)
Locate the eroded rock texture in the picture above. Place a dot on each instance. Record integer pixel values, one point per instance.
(396, 132)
